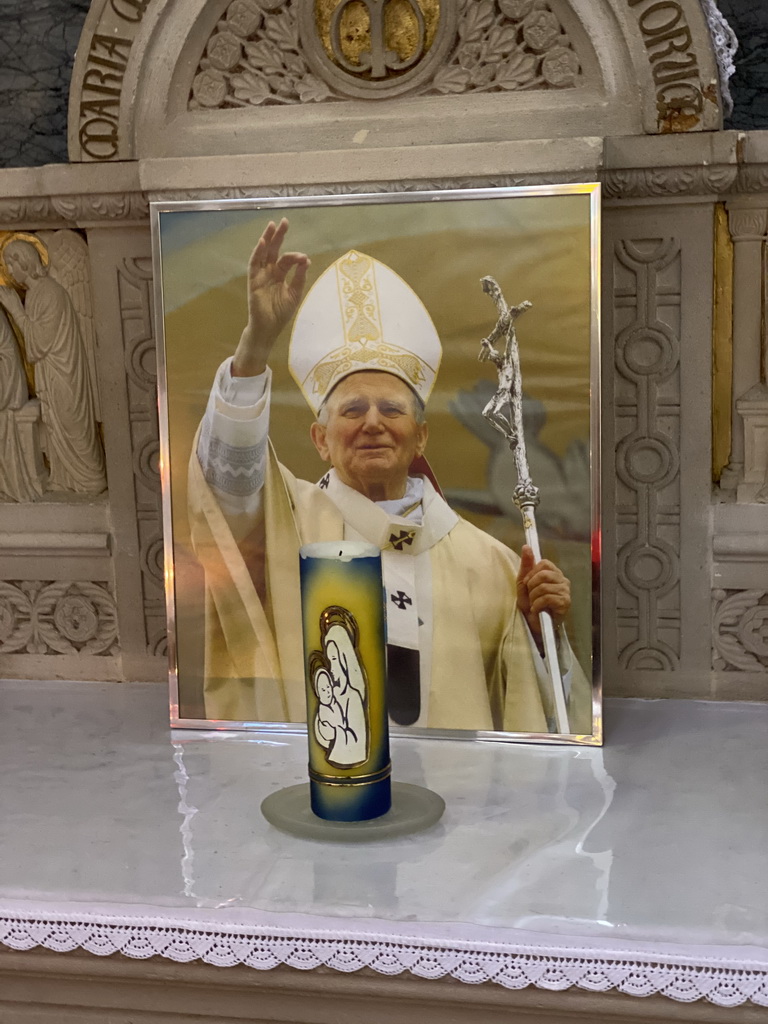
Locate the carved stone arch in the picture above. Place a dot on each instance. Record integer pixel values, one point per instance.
(162, 78)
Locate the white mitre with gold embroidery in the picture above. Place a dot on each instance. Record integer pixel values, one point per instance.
(359, 315)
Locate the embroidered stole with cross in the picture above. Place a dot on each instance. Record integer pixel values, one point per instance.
(407, 583)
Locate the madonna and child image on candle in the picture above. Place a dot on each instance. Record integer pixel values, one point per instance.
(414, 375)
(342, 610)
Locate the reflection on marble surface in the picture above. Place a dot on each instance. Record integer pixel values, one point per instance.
(88, 801)
(659, 836)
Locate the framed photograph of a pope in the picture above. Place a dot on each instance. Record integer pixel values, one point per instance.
(416, 371)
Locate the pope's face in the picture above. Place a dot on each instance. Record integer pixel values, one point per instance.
(372, 436)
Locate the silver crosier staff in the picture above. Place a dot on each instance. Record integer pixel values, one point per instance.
(505, 413)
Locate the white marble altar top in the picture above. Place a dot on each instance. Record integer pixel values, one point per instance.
(659, 838)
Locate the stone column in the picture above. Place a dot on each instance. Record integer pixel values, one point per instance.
(748, 225)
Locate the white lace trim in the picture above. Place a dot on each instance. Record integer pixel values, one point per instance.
(514, 967)
(726, 44)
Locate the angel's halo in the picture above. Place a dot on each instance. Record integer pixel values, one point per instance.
(6, 237)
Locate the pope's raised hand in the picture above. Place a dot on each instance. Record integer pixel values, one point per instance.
(275, 287)
(541, 586)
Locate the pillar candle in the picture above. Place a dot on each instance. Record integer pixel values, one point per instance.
(342, 607)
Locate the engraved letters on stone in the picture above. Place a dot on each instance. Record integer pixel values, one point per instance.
(98, 126)
(680, 94)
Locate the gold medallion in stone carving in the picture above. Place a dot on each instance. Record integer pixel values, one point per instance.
(377, 39)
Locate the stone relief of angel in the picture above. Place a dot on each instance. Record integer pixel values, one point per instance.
(56, 320)
(22, 474)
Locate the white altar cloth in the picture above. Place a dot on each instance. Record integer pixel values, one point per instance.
(639, 867)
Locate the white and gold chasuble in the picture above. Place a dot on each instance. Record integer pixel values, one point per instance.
(479, 673)
(450, 588)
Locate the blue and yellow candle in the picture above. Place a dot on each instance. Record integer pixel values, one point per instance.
(342, 607)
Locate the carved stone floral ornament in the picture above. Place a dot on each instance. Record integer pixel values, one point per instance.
(276, 52)
(740, 630)
(57, 618)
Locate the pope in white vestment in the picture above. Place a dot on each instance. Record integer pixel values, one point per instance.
(365, 354)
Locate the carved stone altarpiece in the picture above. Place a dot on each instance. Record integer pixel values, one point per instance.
(237, 98)
(292, 52)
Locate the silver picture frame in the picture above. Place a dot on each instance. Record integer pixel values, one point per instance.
(189, 269)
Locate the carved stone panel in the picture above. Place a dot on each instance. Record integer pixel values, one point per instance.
(468, 71)
(647, 395)
(356, 187)
(136, 311)
(49, 397)
(657, 361)
(739, 609)
(124, 307)
(753, 410)
(72, 210)
(315, 51)
(668, 181)
(740, 631)
(57, 618)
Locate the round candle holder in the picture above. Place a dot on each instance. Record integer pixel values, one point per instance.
(414, 809)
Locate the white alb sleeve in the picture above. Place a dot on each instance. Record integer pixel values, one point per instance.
(565, 658)
(232, 446)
